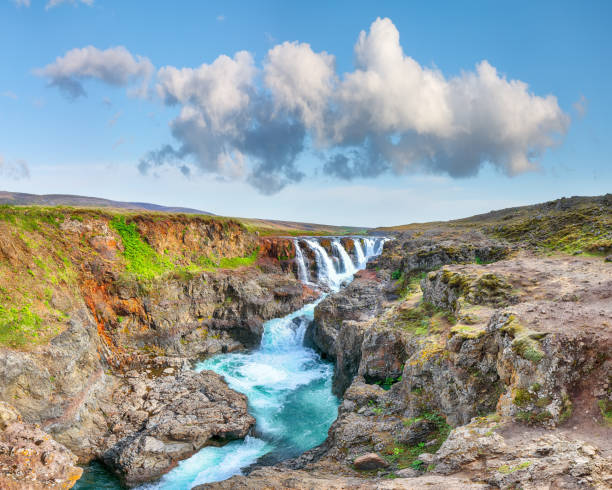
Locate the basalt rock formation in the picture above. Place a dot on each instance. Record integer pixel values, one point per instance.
(103, 313)
(156, 422)
(460, 356)
(471, 354)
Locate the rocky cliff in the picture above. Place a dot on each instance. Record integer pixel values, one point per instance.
(102, 313)
(468, 359)
(471, 354)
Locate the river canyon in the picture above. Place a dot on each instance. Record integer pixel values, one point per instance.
(189, 352)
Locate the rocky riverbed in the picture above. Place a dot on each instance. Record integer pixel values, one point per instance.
(464, 362)
(468, 355)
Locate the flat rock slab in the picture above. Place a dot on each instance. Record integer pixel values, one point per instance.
(274, 479)
(161, 421)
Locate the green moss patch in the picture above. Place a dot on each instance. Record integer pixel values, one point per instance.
(423, 319)
(525, 342)
(18, 325)
(480, 289)
(141, 259)
(468, 331)
(405, 456)
(584, 229)
(605, 407)
(506, 469)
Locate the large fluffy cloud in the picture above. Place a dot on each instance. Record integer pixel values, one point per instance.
(390, 114)
(301, 82)
(228, 125)
(115, 66)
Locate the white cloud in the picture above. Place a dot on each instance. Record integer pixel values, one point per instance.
(225, 120)
(14, 170)
(390, 92)
(54, 3)
(218, 93)
(301, 81)
(115, 66)
(22, 3)
(389, 114)
(404, 117)
(215, 99)
(9, 94)
(220, 18)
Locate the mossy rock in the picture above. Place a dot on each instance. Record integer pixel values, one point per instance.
(468, 331)
(525, 342)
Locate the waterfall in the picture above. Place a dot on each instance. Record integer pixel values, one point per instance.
(327, 272)
(379, 245)
(331, 276)
(361, 259)
(288, 384)
(369, 247)
(347, 264)
(301, 263)
(373, 246)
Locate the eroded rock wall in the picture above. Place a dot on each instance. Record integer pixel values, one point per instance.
(433, 337)
(216, 284)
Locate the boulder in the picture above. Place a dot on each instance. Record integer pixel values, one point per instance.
(156, 423)
(370, 461)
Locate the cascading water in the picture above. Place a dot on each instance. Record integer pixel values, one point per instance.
(379, 246)
(289, 392)
(369, 244)
(327, 274)
(361, 258)
(288, 386)
(347, 263)
(301, 263)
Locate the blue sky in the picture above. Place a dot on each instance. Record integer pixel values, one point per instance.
(92, 144)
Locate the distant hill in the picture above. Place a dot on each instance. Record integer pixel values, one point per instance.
(22, 199)
(575, 225)
(564, 205)
(262, 226)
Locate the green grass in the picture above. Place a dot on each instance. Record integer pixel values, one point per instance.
(18, 325)
(584, 230)
(234, 262)
(146, 264)
(375, 408)
(388, 382)
(605, 407)
(408, 285)
(423, 319)
(44, 260)
(32, 218)
(141, 260)
(405, 456)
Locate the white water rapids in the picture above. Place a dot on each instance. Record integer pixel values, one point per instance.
(288, 385)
